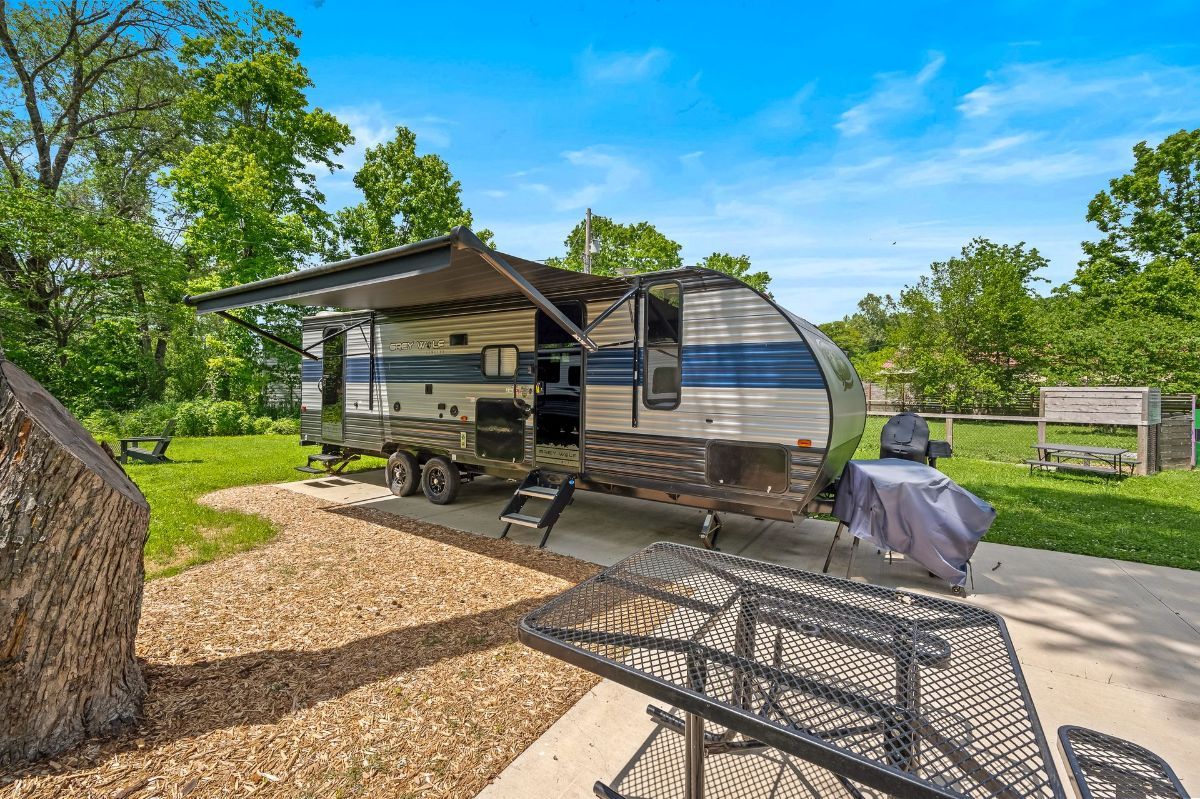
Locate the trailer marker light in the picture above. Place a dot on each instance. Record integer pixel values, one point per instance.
(463, 418)
(303, 408)
(803, 442)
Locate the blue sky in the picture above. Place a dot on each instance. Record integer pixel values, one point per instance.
(841, 148)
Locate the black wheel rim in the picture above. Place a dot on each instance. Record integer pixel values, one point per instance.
(399, 473)
(437, 481)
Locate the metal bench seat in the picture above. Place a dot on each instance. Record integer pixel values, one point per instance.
(1107, 471)
(1105, 767)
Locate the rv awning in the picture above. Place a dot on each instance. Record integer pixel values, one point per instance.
(452, 268)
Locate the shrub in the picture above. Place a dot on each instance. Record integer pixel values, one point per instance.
(102, 424)
(193, 418)
(149, 420)
(286, 427)
(229, 418)
(260, 425)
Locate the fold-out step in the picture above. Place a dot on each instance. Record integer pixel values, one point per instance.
(544, 492)
(522, 519)
(537, 487)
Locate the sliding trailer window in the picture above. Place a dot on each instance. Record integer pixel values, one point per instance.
(499, 361)
(662, 346)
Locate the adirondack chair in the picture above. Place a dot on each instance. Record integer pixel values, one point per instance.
(156, 455)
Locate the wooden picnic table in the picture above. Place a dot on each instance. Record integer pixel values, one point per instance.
(1080, 458)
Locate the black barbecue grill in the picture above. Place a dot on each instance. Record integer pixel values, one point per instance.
(906, 436)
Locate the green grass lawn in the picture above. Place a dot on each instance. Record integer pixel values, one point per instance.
(1148, 519)
(184, 533)
(1011, 442)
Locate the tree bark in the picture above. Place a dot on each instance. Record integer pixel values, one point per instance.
(72, 529)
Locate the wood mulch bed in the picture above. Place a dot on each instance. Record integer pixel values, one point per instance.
(359, 654)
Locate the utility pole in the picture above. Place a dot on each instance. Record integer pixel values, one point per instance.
(587, 242)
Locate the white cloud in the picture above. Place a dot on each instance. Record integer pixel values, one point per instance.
(1106, 88)
(691, 158)
(894, 93)
(787, 114)
(617, 174)
(624, 67)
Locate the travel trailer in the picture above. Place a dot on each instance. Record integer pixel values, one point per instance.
(453, 361)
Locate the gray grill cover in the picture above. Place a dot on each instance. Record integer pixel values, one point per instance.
(914, 509)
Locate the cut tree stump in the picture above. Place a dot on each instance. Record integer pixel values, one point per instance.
(72, 529)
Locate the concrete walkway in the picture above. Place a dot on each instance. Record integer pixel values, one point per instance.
(1103, 643)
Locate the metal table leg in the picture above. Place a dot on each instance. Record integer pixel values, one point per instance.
(693, 733)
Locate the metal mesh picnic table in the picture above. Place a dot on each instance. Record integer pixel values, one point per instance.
(912, 695)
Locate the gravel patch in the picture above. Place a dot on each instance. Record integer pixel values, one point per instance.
(359, 654)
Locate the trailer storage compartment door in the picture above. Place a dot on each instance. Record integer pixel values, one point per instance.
(500, 430)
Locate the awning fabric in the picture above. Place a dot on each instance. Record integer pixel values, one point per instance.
(449, 268)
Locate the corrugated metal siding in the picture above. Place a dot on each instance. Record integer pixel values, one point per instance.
(621, 456)
(747, 376)
(402, 373)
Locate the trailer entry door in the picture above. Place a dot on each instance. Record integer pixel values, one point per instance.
(333, 386)
(559, 390)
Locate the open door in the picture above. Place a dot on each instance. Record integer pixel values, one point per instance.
(333, 386)
(558, 391)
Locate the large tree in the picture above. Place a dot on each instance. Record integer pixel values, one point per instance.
(406, 198)
(87, 121)
(624, 248)
(1148, 260)
(972, 328)
(246, 186)
(245, 191)
(737, 266)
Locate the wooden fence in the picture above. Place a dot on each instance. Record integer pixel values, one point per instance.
(1169, 443)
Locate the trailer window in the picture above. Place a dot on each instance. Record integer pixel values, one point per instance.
(661, 344)
(499, 361)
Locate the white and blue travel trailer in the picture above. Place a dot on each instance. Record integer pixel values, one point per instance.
(454, 360)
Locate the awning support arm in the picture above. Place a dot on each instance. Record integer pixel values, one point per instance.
(607, 312)
(307, 350)
(269, 336)
(469, 240)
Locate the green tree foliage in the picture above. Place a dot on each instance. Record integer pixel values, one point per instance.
(406, 198)
(246, 186)
(972, 327)
(85, 121)
(1149, 258)
(737, 266)
(1131, 313)
(624, 249)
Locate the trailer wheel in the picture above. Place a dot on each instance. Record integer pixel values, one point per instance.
(440, 481)
(403, 474)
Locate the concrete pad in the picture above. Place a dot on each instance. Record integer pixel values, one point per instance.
(1103, 643)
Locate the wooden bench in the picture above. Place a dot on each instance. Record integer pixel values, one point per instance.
(1106, 766)
(155, 455)
(1106, 471)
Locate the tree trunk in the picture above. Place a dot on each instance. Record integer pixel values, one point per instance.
(72, 528)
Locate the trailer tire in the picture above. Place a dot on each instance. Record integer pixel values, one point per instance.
(440, 481)
(403, 474)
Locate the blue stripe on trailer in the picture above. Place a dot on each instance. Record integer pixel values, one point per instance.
(780, 364)
(419, 369)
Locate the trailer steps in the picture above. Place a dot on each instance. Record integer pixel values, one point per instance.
(539, 487)
(329, 462)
